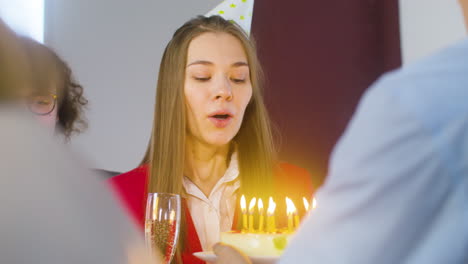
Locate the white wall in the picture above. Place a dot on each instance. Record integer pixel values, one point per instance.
(26, 17)
(428, 25)
(114, 48)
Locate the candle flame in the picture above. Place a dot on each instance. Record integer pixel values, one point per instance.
(252, 205)
(314, 203)
(290, 207)
(306, 203)
(243, 204)
(271, 207)
(260, 206)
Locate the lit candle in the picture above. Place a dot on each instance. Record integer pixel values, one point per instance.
(289, 211)
(262, 217)
(271, 225)
(251, 212)
(244, 213)
(296, 218)
(314, 203)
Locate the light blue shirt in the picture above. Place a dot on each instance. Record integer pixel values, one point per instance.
(397, 189)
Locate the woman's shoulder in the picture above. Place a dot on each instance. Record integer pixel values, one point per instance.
(136, 175)
(130, 188)
(130, 183)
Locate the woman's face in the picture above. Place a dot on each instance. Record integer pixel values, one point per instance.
(217, 87)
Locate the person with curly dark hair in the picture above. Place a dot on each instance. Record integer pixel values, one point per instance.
(57, 99)
(54, 185)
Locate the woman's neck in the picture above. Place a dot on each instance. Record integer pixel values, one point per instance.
(205, 164)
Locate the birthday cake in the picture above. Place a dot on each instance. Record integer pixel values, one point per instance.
(257, 239)
(257, 244)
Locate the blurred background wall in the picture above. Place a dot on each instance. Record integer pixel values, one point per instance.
(428, 25)
(319, 56)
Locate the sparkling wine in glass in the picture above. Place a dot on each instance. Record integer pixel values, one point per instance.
(162, 224)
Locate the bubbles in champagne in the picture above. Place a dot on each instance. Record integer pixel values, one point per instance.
(161, 236)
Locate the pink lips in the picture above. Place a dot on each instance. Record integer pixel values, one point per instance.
(221, 118)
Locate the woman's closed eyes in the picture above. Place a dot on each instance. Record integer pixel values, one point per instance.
(206, 79)
(202, 79)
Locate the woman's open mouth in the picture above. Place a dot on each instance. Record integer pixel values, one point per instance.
(221, 119)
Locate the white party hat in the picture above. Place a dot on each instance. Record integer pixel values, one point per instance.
(239, 11)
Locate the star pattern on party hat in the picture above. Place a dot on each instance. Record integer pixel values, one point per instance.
(239, 11)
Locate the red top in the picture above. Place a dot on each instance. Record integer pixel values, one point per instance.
(289, 180)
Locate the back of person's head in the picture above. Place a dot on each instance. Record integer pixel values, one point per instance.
(14, 69)
(51, 75)
(464, 7)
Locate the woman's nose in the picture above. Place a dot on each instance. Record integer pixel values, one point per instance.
(223, 90)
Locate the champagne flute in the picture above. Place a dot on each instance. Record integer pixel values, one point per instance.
(162, 224)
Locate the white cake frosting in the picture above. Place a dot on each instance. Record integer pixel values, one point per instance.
(260, 244)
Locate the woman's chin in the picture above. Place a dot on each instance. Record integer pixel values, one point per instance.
(219, 141)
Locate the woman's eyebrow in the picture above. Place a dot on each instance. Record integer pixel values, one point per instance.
(209, 63)
(240, 64)
(201, 62)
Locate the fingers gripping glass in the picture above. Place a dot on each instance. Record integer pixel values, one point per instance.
(42, 104)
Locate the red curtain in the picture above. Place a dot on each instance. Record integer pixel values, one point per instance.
(319, 57)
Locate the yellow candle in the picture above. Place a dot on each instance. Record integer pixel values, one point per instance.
(244, 213)
(262, 217)
(290, 223)
(271, 225)
(296, 220)
(251, 212)
(245, 227)
(290, 211)
(251, 225)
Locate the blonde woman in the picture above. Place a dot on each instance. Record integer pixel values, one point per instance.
(211, 140)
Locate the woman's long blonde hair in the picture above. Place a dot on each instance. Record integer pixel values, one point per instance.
(165, 155)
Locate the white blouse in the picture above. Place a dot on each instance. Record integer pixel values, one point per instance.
(214, 214)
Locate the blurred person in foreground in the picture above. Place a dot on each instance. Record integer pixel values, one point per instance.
(397, 189)
(53, 210)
